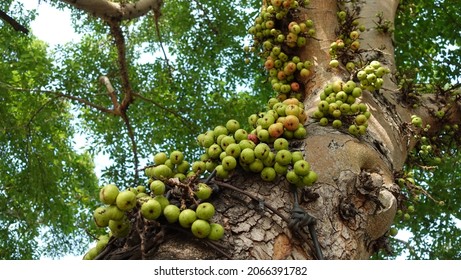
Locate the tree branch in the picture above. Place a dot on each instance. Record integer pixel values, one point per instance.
(157, 14)
(116, 31)
(109, 10)
(122, 108)
(122, 111)
(134, 147)
(67, 96)
(192, 126)
(205, 16)
(11, 21)
(38, 111)
(110, 90)
(82, 101)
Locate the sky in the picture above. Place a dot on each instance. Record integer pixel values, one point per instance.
(55, 31)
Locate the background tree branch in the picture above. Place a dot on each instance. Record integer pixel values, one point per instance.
(11, 21)
(109, 10)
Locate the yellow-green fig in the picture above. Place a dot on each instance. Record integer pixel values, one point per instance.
(108, 194)
(151, 210)
(200, 228)
(205, 211)
(171, 213)
(216, 231)
(203, 191)
(157, 187)
(187, 217)
(126, 200)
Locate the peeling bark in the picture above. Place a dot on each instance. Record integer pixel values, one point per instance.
(109, 10)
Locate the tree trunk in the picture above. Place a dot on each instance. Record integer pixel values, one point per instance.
(355, 198)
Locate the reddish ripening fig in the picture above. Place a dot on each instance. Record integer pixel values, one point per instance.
(295, 86)
(291, 122)
(275, 130)
(253, 138)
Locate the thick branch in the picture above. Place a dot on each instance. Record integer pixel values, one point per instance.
(11, 21)
(110, 90)
(109, 10)
(116, 31)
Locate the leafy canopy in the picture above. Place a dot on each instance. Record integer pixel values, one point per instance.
(428, 51)
(45, 185)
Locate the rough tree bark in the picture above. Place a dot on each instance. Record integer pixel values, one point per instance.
(355, 198)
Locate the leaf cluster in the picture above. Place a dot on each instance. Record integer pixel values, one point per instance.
(428, 40)
(435, 226)
(45, 184)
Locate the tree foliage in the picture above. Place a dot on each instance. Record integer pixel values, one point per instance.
(187, 70)
(427, 39)
(46, 186)
(427, 57)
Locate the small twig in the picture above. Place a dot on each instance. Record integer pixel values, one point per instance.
(206, 17)
(134, 146)
(413, 188)
(37, 112)
(403, 242)
(67, 96)
(157, 15)
(207, 181)
(215, 246)
(83, 101)
(191, 126)
(187, 193)
(90, 234)
(275, 211)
